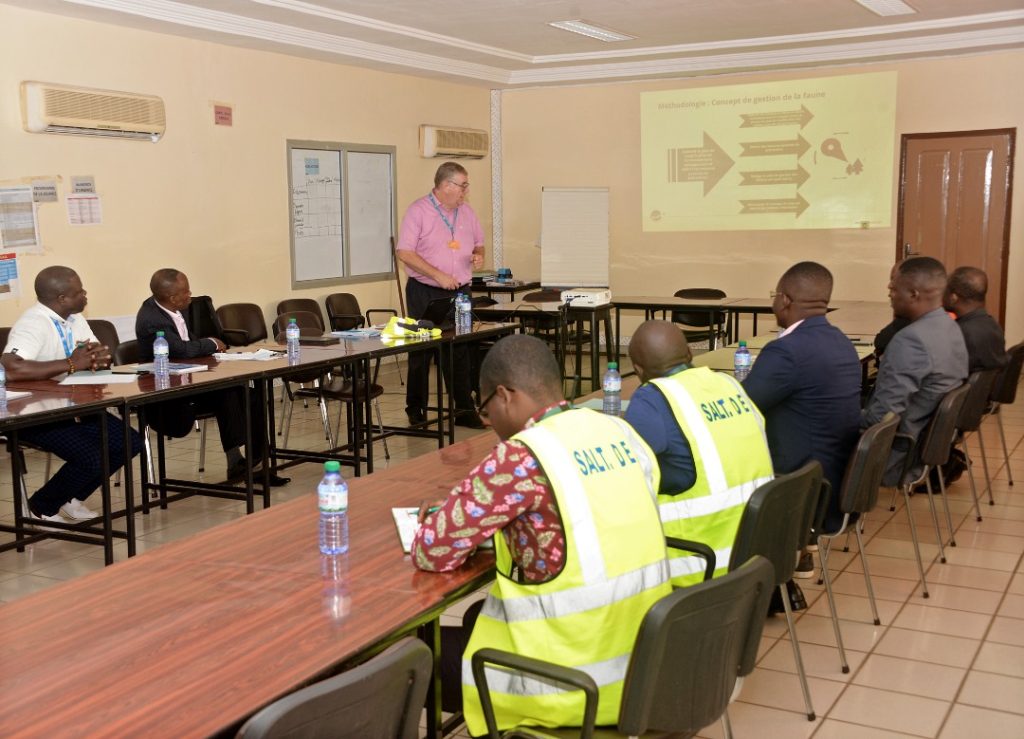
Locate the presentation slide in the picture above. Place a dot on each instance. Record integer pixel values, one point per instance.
(814, 153)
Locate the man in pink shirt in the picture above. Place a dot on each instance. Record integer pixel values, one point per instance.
(440, 243)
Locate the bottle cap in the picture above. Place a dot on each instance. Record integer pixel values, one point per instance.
(159, 334)
(743, 343)
(332, 466)
(291, 320)
(613, 365)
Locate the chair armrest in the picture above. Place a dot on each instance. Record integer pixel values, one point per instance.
(695, 547)
(359, 320)
(565, 675)
(236, 336)
(389, 311)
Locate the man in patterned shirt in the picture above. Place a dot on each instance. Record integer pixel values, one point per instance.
(552, 460)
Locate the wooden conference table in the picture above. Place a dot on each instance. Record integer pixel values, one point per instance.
(191, 638)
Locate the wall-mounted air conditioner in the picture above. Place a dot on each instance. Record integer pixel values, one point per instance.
(48, 108)
(444, 141)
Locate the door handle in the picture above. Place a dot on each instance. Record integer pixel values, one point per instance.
(908, 251)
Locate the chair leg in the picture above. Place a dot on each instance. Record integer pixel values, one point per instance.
(970, 478)
(796, 652)
(398, 366)
(945, 504)
(726, 725)
(202, 446)
(892, 503)
(322, 404)
(824, 542)
(984, 462)
(1006, 455)
(913, 536)
(867, 576)
(935, 515)
(380, 425)
(286, 419)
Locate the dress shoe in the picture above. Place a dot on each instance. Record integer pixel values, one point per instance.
(797, 602)
(416, 415)
(468, 419)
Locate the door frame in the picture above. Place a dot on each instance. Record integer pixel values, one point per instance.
(1005, 253)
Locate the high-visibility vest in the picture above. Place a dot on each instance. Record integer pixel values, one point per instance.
(605, 481)
(725, 431)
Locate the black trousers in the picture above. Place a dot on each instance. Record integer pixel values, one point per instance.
(454, 640)
(417, 388)
(174, 418)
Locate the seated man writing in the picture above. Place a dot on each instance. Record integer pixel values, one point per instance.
(162, 312)
(50, 339)
(580, 552)
(709, 439)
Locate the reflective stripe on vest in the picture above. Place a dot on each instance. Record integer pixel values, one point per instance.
(706, 505)
(693, 565)
(512, 682)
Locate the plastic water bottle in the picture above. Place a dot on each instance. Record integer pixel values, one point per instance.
(3, 388)
(161, 359)
(611, 383)
(292, 334)
(463, 314)
(333, 496)
(741, 362)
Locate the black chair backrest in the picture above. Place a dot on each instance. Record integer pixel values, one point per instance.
(309, 324)
(243, 317)
(697, 317)
(867, 465)
(380, 698)
(105, 332)
(127, 352)
(201, 319)
(776, 520)
(691, 647)
(293, 305)
(934, 449)
(973, 409)
(1005, 389)
(343, 312)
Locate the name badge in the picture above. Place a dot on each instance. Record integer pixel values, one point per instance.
(453, 245)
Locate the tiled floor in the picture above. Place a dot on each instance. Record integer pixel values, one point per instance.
(948, 666)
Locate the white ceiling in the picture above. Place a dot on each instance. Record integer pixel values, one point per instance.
(507, 43)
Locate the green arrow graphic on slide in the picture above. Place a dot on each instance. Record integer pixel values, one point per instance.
(707, 164)
(795, 206)
(777, 118)
(796, 177)
(773, 148)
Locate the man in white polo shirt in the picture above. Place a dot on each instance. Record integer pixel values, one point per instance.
(50, 339)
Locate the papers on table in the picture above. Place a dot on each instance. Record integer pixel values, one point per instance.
(406, 519)
(357, 333)
(99, 377)
(15, 394)
(260, 355)
(173, 368)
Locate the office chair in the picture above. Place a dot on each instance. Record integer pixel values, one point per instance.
(692, 648)
(969, 421)
(701, 325)
(242, 323)
(379, 698)
(292, 305)
(1004, 392)
(105, 332)
(774, 524)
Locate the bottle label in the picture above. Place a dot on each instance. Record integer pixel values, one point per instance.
(333, 498)
(612, 385)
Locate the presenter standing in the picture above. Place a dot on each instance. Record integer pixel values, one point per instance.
(440, 243)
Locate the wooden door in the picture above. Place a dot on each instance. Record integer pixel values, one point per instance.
(955, 201)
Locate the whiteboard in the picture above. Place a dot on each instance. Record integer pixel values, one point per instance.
(370, 215)
(317, 237)
(341, 212)
(574, 237)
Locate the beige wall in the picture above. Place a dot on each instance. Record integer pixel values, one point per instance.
(590, 136)
(209, 200)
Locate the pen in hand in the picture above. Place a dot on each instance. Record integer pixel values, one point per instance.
(425, 510)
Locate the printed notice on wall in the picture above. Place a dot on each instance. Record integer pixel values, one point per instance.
(9, 276)
(83, 185)
(19, 227)
(84, 210)
(44, 191)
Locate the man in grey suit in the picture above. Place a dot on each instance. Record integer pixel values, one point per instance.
(923, 362)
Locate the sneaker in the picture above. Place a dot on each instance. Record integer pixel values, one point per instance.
(805, 567)
(76, 510)
(35, 521)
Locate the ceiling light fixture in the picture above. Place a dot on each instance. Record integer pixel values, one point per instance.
(887, 7)
(589, 29)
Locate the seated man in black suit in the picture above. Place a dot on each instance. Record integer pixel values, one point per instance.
(162, 312)
(965, 297)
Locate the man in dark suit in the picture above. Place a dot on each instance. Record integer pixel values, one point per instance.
(807, 385)
(162, 312)
(965, 296)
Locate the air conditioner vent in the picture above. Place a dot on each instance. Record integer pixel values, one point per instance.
(48, 108)
(445, 141)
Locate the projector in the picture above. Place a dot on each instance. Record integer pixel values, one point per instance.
(586, 297)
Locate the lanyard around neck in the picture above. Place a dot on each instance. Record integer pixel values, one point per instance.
(450, 224)
(66, 337)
